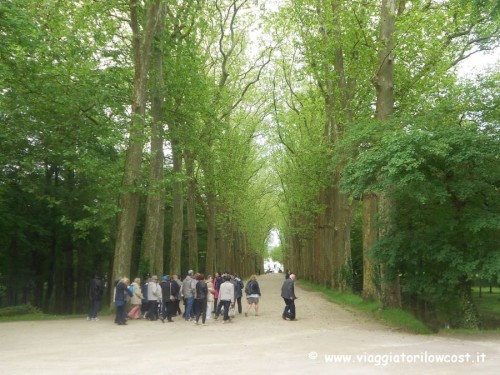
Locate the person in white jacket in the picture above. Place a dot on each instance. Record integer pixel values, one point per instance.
(154, 297)
(226, 298)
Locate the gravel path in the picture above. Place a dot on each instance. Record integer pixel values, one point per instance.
(326, 339)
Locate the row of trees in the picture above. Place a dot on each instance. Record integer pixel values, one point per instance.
(388, 162)
(129, 144)
(161, 135)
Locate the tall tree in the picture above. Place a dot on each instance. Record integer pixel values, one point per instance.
(142, 40)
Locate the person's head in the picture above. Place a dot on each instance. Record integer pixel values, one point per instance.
(292, 276)
(253, 277)
(154, 278)
(200, 276)
(227, 277)
(164, 278)
(137, 280)
(190, 273)
(217, 274)
(176, 277)
(210, 278)
(125, 280)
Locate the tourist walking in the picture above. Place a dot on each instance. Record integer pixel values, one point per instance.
(217, 282)
(168, 293)
(200, 301)
(210, 296)
(136, 300)
(226, 298)
(189, 290)
(121, 293)
(239, 292)
(288, 294)
(96, 291)
(252, 291)
(154, 298)
(178, 295)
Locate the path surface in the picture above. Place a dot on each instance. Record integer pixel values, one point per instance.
(325, 339)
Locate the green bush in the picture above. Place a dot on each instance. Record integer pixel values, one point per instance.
(19, 310)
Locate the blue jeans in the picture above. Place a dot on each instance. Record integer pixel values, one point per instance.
(189, 308)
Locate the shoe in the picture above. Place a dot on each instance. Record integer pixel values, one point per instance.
(246, 314)
(88, 318)
(283, 316)
(203, 324)
(95, 319)
(162, 320)
(224, 321)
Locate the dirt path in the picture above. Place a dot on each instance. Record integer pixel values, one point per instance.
(326, 339)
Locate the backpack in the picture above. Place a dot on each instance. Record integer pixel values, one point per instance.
(248, 287)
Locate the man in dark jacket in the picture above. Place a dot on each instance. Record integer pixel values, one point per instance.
(288, 294)
(96, 291)
(168, 292)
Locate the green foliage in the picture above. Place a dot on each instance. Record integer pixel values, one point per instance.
(277, 254)
(440, 172)
(18, 310)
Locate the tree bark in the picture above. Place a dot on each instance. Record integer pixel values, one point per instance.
(191, 212)
(177, 210)
(384, 85)
(129, 199)
(153, 228)
(370, 232)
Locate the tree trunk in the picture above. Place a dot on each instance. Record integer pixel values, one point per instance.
(191, 212)
(129, 200)
(369, 225)
(384, 85)
(211, 237)
(177, 211)
(153, 228)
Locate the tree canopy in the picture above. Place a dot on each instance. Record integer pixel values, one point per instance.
(160, 136)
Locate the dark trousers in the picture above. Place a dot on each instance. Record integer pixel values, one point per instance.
(95, 305)
(215, 305)
(227, 306)
(121, 314)
(168, 310)
(177, 307)
(238, 301)
(152, 313)
(200, 308)
(289, 311)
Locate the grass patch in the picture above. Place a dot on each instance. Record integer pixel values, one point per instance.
(394, 317)
(488, 307)
(30, 313)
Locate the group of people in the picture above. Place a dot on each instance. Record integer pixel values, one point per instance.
(202, 296)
